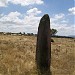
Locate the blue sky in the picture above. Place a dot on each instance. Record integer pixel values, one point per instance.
(24, 15)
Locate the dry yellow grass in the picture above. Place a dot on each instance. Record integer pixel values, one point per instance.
(17, 55)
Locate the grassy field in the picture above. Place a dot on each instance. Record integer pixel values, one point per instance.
(17, 55)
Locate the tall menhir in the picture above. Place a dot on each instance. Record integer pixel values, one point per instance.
(43, 49)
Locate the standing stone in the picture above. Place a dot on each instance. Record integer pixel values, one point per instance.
(43, 49)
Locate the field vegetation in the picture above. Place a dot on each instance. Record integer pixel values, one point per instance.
(17, 55)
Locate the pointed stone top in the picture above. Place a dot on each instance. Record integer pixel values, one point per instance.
(45, 17)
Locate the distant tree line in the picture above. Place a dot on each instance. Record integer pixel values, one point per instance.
(20, 33)
(53, 32)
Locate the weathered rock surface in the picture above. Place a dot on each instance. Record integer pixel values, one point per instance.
(43, 49)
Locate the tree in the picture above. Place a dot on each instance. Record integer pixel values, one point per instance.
(20, 33)
(53, 31)
(30, 34)
(24, 33)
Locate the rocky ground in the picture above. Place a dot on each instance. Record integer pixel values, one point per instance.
(17, 55)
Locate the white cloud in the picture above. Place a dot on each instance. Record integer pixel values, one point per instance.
(30, 21)
(33, 11)
(72, 10)
(11, 17)
(64, 29)
(26, 2)
(67, 30)
(13, 23)
(62, 25)
(57, 17)
(1, 15)
(4, 3)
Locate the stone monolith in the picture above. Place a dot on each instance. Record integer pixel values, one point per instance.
(43, 47)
